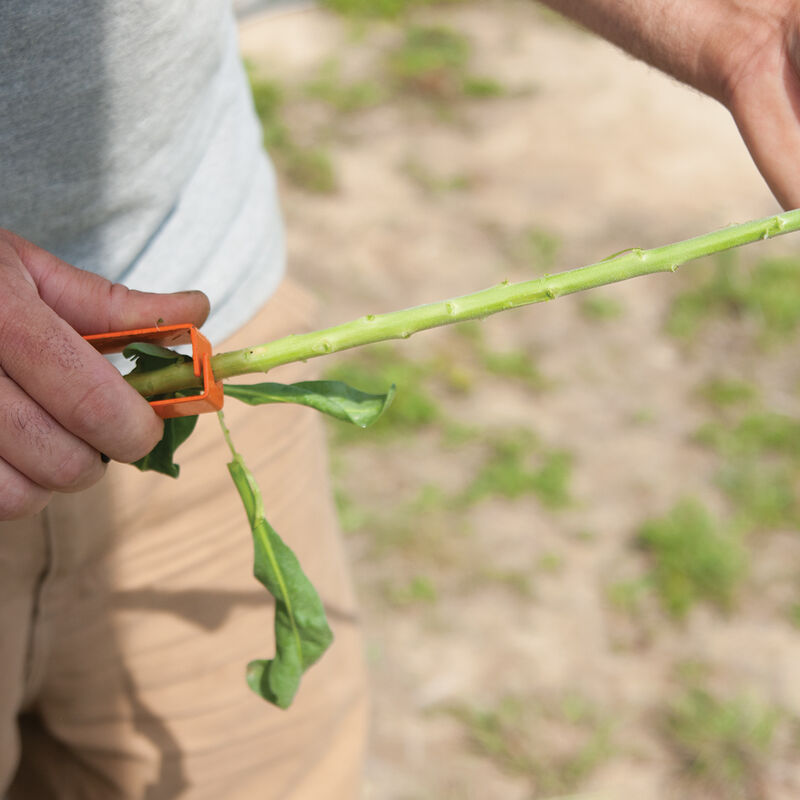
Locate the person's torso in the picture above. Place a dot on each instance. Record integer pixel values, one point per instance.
(128, 145)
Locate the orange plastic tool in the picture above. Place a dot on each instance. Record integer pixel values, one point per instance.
(210, 397)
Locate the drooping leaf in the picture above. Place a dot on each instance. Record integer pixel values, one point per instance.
(301, 630)
(162, 457)
(334, 398)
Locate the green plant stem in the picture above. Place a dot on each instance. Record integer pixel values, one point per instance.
(402, 324)
(226, 433)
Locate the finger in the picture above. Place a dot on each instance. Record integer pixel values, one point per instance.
(19, 496)
(34, 444)
(92, 304)
(767, 113)
(64, 374)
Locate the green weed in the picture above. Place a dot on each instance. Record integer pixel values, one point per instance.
(516, 581)
(430, 62)
(534, 247)
(380, 9)
(517, 364)
(433, 183)
(516, 466)
(352, 516)
(344, 96)
(597, 307)
(762, 495)
(774, 294)
(723, 744)
(768, 293)
(419, 590)
(423, 530)
(758, 434)
(482, 87)
(550, 563)
(761, 457)
(692, 560)
(721, 295)
(433, 63)
(309, 168)
(725, 393)
(626, 595)
(556, 744)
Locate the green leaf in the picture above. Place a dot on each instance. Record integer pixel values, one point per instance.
(149, 357)
(302, 634)
(162, 457)
(330, 397)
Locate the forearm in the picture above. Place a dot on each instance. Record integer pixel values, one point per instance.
(703, 43)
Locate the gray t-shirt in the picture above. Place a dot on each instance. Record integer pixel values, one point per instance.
(129, 147)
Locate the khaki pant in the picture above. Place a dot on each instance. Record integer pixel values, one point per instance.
(129, 612)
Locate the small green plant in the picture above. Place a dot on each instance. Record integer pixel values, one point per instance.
(345, 97)
(433, 63)
(769, 294)
(626, 595)
(722, 744)
(380, 9)
(433, 183)
(723, 393)
(692, 560)
(550, 563)
(482, 87)
(762, 495)
(516, 364)
(508, 471)
(519, 364)
(719, 295)
(760, 465)
(309, 168)
(758, 434)
(532, 247)
(517, 581)
(420, 590)
(601, 308)
(794, 614)
(556, 744)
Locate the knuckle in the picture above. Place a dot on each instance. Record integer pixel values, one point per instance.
(126, 430)
(19, 498)
(79, 469)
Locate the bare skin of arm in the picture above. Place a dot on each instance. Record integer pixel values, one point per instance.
(61, 403)
(744, 53)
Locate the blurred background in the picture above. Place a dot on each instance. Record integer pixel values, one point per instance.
(575, 534)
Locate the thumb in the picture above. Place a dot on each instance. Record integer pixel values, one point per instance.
(92, 304)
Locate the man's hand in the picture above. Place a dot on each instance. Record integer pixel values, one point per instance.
(61, 403)
(744, 53)
(762, 91)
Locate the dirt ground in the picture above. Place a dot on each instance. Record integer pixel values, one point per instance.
(518, 643)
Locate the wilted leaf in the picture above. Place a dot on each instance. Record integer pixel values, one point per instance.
(334, 398)
(301, 630)
(162, 457)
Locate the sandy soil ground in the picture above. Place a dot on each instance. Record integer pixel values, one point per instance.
(502, 665)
